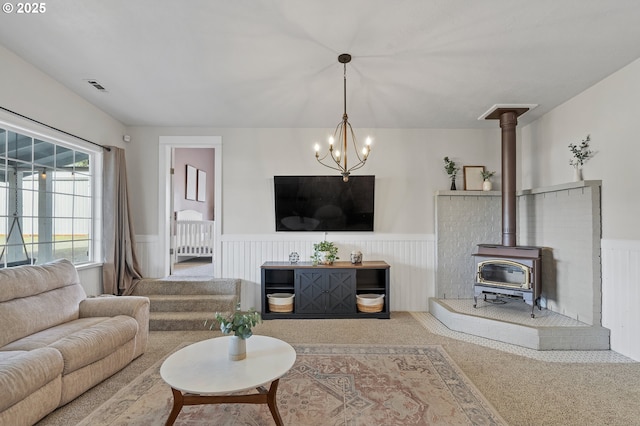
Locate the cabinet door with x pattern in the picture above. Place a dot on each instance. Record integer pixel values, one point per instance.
(326, 291)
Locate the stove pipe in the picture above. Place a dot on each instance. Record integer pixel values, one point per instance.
(508, 117)
(508, 123)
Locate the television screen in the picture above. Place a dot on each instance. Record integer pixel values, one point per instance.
(324, 203)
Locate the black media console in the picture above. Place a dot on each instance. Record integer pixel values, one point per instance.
(325, 291)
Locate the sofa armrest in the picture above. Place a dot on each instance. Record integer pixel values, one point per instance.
(133, 306)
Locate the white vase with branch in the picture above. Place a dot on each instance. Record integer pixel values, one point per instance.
(486, 180)
(581, 154)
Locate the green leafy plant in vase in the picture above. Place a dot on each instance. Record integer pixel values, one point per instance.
(486, 180)
(486, 175)
(324, 253)
(452, 171)
(240, 324)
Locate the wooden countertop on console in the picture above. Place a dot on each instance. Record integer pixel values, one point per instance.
(371, 264)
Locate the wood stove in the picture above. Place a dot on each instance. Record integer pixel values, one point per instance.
(513, 271)
(508, 269)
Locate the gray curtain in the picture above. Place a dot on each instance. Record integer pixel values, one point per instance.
(120, 270)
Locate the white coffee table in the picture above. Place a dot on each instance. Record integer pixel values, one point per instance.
(202, 373)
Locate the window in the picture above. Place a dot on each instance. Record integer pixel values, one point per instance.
(46, 200)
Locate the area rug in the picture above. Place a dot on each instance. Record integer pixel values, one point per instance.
(329, 385)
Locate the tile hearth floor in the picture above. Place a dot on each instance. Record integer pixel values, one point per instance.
(517, 312)
(514, 310)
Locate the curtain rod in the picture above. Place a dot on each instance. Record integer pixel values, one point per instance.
(54, 128)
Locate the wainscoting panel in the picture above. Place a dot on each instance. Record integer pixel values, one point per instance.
(91, 278)
(149, 259)
(621, 295)
(412, 259)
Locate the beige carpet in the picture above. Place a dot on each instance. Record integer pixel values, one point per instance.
(340, 385)
(526, 392)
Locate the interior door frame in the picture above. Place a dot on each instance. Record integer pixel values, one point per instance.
(166, 146)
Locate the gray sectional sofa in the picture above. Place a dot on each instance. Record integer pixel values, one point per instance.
(55, 343)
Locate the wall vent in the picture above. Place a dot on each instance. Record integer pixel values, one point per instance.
(97, 85)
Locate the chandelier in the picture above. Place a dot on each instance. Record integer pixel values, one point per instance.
(335, 158)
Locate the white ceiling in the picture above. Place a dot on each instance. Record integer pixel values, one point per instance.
(273, 63)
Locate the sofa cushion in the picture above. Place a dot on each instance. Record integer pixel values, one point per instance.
(82, 341)
(23, 281)
(22, 373)
(34, 298)
(50, 335)
(95, 342)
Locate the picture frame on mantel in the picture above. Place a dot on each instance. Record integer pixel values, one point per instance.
(191, 183)
(473, 178)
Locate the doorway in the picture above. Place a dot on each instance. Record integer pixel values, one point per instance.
(193, 216)
(190, 158)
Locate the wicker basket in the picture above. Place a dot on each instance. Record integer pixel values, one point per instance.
(370, 303)
(369, 308)
(281, 308)
(280, 302)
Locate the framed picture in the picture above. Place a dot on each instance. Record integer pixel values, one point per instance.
(202, 185)
(190, 192)
(473, 178)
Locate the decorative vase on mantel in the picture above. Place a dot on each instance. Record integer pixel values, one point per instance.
(577, 173)
(453, 183)
(237, 348)
(487, 185)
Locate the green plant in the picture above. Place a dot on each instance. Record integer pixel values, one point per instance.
(324, 246)
(486, 175)
(581, 153)
(239, 323)
(450, 167)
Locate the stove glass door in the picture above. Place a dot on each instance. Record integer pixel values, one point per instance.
(504, 273)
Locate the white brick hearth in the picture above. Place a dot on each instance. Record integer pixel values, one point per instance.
(512, 323)
(564, 220)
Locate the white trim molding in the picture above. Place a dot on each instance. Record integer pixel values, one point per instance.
(621, 294)
(166, 145)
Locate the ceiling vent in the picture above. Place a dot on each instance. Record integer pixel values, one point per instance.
(97, 85)
(519, 109)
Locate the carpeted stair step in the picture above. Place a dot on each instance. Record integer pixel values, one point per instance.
(209, 303)
(186, 286)
(175, 321)
(184, 303)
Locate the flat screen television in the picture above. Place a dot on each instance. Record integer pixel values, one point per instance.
(324, 203)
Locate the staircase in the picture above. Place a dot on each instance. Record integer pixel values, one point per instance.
(184, 303)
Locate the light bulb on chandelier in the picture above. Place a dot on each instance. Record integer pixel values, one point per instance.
(333, 158)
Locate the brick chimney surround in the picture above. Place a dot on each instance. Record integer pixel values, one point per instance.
(565, 218)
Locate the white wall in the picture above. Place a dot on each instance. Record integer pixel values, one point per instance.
(26, 90)
(609, 112)
(408, 165)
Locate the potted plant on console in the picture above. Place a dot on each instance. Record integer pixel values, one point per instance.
(324, 253)
(238, 323)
